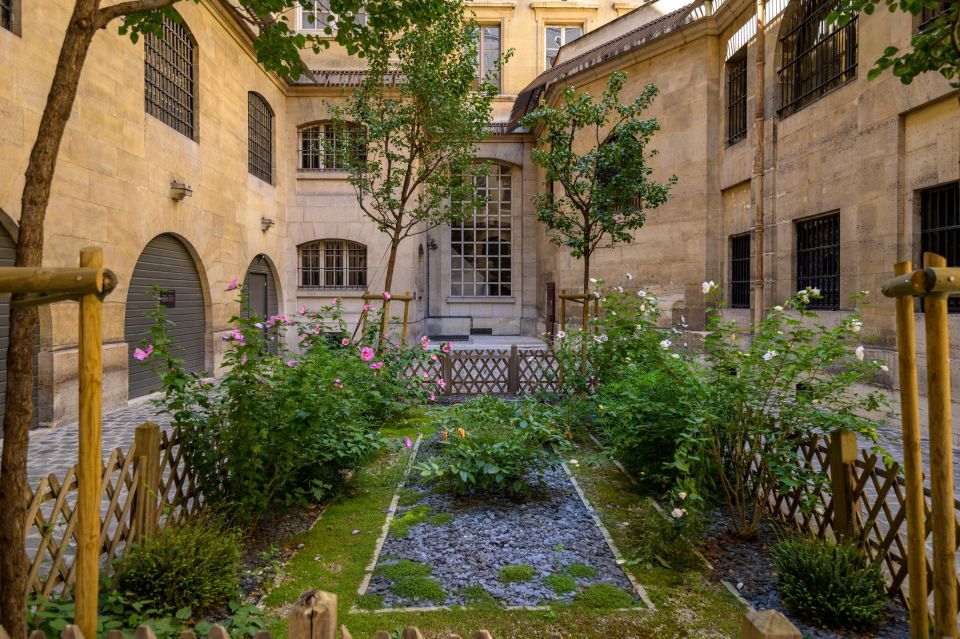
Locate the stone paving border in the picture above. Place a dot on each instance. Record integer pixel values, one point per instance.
(371, 567)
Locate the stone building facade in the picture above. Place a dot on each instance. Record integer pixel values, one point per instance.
(267, 209)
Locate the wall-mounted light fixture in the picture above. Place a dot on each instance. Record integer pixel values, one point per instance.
(179, 190)
(266, 223)
(432, 244)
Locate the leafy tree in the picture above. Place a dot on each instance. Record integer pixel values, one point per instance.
(607, 188)
(420, 112)
(278, 49)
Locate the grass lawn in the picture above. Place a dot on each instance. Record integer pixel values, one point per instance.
(341, 544)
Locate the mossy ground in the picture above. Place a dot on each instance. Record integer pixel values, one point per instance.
(560, 583)
(334, 559)
(518, 573)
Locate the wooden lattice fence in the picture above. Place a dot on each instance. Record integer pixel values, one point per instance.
(491, 371)
(875, 506)
(141, 489)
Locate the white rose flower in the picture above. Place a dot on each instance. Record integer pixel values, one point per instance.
(629, 276)
(682, 495)
(769, 355)
(778, 308)
(706, 287)
(620, 290)
(859, 353)
(593, 280)
(884, 368)
(677, 513)
(675, 355)
(561, 334)
(856, 325)
(665, 344)
(641, 293)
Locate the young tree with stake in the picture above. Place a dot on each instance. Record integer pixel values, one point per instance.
(607, 188)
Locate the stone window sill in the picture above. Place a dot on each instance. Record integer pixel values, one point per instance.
(481, 300)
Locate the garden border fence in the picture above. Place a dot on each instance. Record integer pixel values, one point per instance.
(518, 371)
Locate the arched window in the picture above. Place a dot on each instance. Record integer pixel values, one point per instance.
(170, 73)
(259, 137)
(325, 146)
(333, 264)
(481, 256)
(816, 56)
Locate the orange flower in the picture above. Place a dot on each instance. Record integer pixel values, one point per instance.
(461, 432)
(444, 435)
(569, 434)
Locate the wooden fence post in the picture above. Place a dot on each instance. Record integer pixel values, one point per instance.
(768, 624)
(941, 459)
(446, 372)
(145, 514)
(513, 371)
(90, 466)
(843, 453)
(406, 314)
(314, 616)
(563, 310)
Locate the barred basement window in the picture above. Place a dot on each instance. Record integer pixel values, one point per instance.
(940, 227)
(481, 260)
(740, 271)
(325, 146)
(928, 15)
(817, 56)
(737, 97)
(7, 14)
(333, 264)
(818, 259)
(259, 137)
(171, 77)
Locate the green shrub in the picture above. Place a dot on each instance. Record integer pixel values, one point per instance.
(517, 573)
(604, 596)
(369, 601)
(419, 589)
(404, 568)
(490, 444)
(440, 519)
(401, 526)
(194, 564)
(830, 585)
(560, 583)
(477, 596)
(581, 571)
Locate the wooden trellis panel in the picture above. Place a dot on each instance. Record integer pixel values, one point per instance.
(539, 371)
(477, 372)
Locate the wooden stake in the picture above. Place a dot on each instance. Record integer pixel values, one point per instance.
(912, 462)
(406, 313)
(144, 514)
(941, 460)
(90, 465)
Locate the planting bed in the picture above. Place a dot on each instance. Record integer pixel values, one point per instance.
(489, 550)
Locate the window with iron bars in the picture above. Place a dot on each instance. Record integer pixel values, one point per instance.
(817, 56)
(259, 137)
(740, 271)
(737, 97)
(6, 14)
(940, 227)
(171, 77)
(333, 264)
(818, 259)
(929, 14)
(326, 146)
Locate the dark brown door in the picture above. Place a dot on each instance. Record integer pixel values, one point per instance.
(261, 291)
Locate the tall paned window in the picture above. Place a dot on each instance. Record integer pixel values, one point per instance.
(488, 53)
(317, 17)
(171, 77)
(7, 16)
(556, 36)
(259, 137)
(332, 264)
(327, 147)
(481, 256)
(817, 56)
(740, 271)
(818, 259)
(940, 227)
(737, 97)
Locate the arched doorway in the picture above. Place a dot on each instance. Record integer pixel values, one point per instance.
(261, 289)
(8, 249)
(167, 263)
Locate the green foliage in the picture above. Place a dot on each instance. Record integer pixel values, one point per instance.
(282, 429)
(418, 136)
(408, 497)
(440, 519)
(517, 573)
(477, 596)
(604, 596)
(830, 584)
(192, 565)
(580, 571)
(401, 526)
(368, 601)
(404, 568)
(608, 188)
(419, 589)
(491, 444)
(936, 48)
(560, 583)
(668, 540)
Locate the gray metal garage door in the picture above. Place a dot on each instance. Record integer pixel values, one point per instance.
(261, 289)
(7, 253)
(165, 262)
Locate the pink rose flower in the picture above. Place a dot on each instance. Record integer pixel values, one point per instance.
(337, 383)
(376, 366)
(141, 354)
(407, 442)
(303, 310)
(434, 358)
(442, 384)
(386, 295)
(366, 353)
(366, 307)
(446, 347)
(292, 363)
(334, 301)
(432, 396)
(345, 341)
(233, 285)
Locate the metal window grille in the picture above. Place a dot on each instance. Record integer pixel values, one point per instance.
(333, 264)
(940, 227)
(817, 56)
(6, 14)
(481, 260)
(737, 99)
(818, 259)
(740, 271)
(259, 137)
(929, 14)
(325, 146)
(488, 53)
(170, 77)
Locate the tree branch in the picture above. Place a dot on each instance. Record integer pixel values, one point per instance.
(108, 14)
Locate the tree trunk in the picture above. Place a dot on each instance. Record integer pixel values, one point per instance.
(388, 282)
(586, 295)
(758, 164)
(23, 321)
